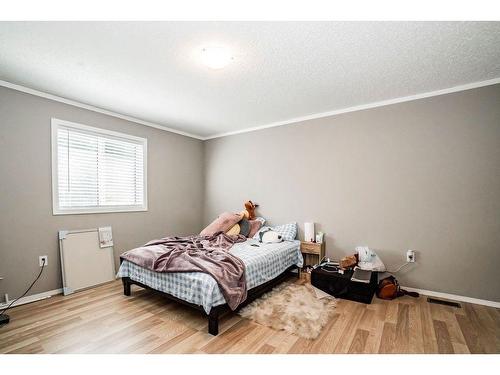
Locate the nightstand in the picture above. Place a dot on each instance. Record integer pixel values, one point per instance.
(312, 252)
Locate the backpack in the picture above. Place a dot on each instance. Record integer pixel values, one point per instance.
(389, 288)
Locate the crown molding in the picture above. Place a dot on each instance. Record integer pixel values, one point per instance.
(290, 121)
(361, 107)
(75, 103)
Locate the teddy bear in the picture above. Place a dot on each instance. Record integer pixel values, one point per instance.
(249, 211)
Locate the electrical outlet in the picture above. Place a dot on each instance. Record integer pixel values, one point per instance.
(410, 256)
(41, 258)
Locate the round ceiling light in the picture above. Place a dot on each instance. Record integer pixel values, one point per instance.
(216, 57)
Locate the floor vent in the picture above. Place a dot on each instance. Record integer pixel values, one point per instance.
(441, 302)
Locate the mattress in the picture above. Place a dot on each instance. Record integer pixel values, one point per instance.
(262, 263)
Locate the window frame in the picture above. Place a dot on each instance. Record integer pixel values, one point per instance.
(56, 209)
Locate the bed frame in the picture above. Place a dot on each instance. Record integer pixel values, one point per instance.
(217, 311)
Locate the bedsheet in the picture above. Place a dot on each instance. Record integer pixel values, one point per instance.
(262, 263)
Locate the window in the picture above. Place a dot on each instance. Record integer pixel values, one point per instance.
(97, 170)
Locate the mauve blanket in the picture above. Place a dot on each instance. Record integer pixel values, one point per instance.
(209, 254)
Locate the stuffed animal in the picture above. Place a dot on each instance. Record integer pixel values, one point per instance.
(234, 230)
(269, 236)
(241, 227)
(249, 211)
(348, 261)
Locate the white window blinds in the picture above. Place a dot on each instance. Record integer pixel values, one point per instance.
(97, 170)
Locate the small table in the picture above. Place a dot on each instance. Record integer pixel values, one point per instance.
(340, 285)
(312, 252)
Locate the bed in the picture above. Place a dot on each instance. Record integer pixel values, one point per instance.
(266, 265)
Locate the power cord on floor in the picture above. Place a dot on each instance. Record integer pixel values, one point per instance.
(27, 290)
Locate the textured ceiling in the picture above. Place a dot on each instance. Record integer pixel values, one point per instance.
(281, 70)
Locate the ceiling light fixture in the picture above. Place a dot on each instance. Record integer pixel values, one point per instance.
(216, 57)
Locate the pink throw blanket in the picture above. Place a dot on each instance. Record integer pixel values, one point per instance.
(208, 254)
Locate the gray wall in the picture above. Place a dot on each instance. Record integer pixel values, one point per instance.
(28, 228)
(422, 175)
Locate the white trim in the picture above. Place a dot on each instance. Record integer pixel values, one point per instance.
(94, 109)
(33, 298)
(97, 210)
(291, 121)
(455, 297)
(76, 125)
(361, 107)
(56, 210)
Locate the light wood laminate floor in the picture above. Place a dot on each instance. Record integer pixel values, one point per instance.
(103, 320)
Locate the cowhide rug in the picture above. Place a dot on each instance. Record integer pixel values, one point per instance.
(294, 308)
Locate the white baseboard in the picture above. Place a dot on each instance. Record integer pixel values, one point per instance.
(430, 293)
(33, 298)
(454, 297)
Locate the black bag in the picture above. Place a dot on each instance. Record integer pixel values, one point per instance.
(389, 288)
